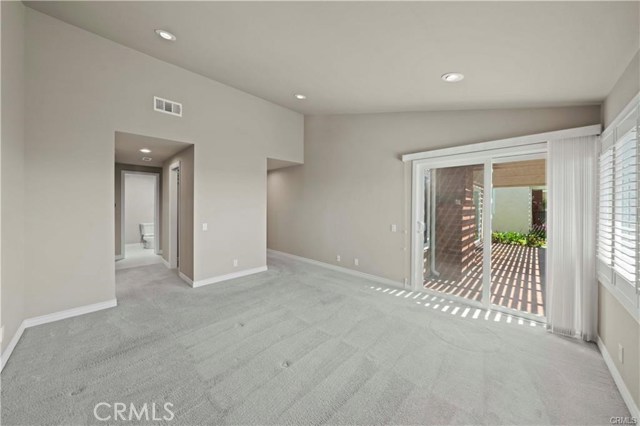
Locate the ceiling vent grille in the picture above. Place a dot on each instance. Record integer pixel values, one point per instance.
(167, 106)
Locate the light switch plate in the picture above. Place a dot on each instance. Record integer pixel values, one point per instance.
(621, 353)
(205, 226)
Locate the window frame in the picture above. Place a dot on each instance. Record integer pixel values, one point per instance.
(626, 291)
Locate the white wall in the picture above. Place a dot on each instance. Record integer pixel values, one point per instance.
(512, 209)
(81, 88)
(353, 185)
(12, 166)
(139, 204)
(627, 86)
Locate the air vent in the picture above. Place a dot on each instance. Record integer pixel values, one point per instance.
(147, 158)
(167, 106)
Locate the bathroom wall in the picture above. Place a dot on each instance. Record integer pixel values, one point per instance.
(119, 167)
(139, 204)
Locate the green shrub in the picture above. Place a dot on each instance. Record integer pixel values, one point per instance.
(534, 238)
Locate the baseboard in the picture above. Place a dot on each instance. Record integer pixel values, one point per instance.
(185, 278)
(165, 263)
(69, 313)
(617, 378)
(119, 257)
(220, 278)
(56, 316)
(359, 274)
(12, 345)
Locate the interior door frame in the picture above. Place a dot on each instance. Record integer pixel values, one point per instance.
(174, 217)
(156, 209)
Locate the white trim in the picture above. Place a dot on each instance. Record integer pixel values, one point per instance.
(417, 241)
(628, 109)
(165, 263)
(185, 278)
(220, 278)
(173, 218)
(509, 142)
(617, 378)
(56, 316)
(359, 274)
(12, 345)
(487, 232)
(69, 313)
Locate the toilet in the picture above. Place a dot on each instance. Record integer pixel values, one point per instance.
(146, 235)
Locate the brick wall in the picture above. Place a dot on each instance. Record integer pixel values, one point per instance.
(455, 222)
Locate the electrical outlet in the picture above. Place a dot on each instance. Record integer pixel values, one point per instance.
(394, 228)
(338, 258)
(621, 353)
(356, 261)
(235, 262)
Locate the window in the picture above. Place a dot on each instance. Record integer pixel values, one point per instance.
(618, 220)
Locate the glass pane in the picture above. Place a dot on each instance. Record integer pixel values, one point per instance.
(519, 237)
(452, 260)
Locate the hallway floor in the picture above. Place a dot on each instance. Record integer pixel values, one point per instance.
(136, 255)
(300, 344)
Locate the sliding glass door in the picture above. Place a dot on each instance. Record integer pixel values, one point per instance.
(452, 227)
(480, 231)
(519, 235)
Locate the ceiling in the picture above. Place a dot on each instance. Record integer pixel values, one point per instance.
(350, 57)
(128, 148)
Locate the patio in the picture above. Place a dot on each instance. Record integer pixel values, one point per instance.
(517, 279)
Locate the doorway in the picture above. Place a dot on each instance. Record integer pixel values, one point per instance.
(172, 227)
(480, 230)
(140, 211)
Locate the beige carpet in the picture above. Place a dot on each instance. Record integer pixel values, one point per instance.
(300, 344)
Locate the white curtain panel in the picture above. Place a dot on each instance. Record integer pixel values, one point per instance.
(572, 288)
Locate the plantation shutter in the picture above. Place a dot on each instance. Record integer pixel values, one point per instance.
(605, 205)
(625, 224)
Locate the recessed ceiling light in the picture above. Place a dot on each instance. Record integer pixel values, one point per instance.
(147, 158)
(300, 97)
(145, 150)
(452, 77)
(166, 35)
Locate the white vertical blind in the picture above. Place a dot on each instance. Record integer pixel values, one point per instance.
(572, 285)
